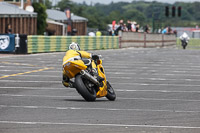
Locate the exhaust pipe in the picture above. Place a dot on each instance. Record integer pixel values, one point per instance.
(89, 77)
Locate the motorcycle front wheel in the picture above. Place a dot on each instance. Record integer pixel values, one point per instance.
(83, 88)
(184, 44)
(111, 93)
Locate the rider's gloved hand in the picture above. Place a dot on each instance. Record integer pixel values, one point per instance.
(95, 57)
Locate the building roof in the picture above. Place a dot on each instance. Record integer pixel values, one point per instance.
(60, 16)
(10, 10)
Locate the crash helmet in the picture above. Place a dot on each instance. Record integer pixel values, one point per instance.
(74, 46)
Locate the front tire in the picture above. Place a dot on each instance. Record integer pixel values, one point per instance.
(184, 44)
(88, 93)
(111, 93)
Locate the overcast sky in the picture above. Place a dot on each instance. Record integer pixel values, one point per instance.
(109, 1)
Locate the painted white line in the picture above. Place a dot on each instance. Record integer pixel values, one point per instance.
(151, 84)
(149, 69)
(123, 98)
(129, 83)
(164, 79)
(159, 99)
(171, 74)
(43, 75)
(30, 55)
(105, 109)
(128, 73)
(158, 79)
(38, 88)
(119, 77)
(117, 90)
(154, 79)
(160, 91)
(43, 96)
(101, 124)
(163, 63)
(20, 81)
(2, 67)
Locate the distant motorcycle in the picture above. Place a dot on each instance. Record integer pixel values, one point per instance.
(184, 40)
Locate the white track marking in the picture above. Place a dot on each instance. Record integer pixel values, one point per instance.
(113, 83)
(117, 90)
(38, 88)
(152, 84)
(122, 98)
(105, 109)
(21, 81)
(100, 124)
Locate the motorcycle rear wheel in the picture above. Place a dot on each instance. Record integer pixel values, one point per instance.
(111, 93)
(88, 93)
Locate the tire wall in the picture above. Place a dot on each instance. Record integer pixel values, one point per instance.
(41, 44)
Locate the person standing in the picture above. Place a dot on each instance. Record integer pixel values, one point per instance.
(8, 29)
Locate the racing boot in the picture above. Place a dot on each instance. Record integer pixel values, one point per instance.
(66, 82)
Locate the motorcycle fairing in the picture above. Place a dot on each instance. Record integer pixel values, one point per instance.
(71, 68)
(102, 90)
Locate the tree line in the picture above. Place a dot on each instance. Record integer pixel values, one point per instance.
(99, 15)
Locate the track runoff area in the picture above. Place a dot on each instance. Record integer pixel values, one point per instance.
(158, 90)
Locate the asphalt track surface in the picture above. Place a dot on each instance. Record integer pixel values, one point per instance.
(158, 91)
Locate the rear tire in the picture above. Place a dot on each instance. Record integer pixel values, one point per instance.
(111, 93)
(88, 93)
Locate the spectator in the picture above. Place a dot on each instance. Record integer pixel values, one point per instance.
(91, 34)
(133, 26)
(170, 31)
(146, 28)
(129, 25)
(120, 28)
(121, 22)
(124, 27)
(8, 29)
(137, 27)
(165, 31)
(98, 33)
(175, 32)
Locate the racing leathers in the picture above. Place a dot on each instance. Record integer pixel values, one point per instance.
(72, 55)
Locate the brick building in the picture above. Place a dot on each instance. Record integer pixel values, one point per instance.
(21, 21)
(78, 23)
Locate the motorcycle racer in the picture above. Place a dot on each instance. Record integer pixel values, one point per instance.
(184, 39)
(74, 53)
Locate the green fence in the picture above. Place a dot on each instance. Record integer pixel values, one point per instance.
(194, 43)
(37, 44)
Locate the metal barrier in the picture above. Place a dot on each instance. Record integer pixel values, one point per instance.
(133, 39)
(37, 44)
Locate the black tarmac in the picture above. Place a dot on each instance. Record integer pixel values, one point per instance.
(158, 91)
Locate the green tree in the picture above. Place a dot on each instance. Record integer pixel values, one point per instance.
(95, 18)
(63, 4)
(41, 17)
(114, 15)
(135, 15)
(48, 4)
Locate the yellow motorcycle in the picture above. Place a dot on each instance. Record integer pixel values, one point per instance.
(84, 75)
